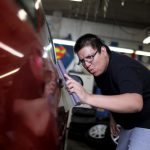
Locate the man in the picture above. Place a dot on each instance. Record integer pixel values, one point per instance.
(125, 85)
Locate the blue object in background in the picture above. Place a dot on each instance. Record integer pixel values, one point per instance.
(102, 113)
(97, 90)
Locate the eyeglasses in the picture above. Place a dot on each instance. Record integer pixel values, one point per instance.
(88, 59)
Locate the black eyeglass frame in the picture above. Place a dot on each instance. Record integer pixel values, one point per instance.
(90, 57)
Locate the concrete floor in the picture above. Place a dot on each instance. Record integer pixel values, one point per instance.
(72, 144)
(76, 145)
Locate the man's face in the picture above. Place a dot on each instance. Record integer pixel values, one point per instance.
(93, 61)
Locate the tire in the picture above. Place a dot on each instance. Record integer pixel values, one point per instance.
(98, 137)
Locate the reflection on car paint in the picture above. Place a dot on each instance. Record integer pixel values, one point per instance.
(29, 92)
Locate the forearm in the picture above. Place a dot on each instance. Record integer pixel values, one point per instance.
(123, 103)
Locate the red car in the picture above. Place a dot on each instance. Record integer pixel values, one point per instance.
(29, 82)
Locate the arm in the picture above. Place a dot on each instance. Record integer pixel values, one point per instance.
(123, 103)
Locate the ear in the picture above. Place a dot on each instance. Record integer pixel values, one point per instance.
(103, 49)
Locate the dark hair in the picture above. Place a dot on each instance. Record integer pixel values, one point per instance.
(90, 40)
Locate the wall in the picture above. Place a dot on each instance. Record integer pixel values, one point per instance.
(125, 37)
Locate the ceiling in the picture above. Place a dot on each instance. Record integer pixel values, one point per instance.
(129, 13)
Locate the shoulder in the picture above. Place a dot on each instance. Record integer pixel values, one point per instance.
(118, 57)
(119, 63)
(118, 60)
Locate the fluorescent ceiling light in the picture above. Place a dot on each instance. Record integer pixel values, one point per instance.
(116, 49)
(9, 73)
(65, 42)
(122, 50)
(10, 50)
(143, 53)
(72, 43)
(146, 40)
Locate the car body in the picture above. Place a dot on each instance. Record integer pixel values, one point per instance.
(30, 88)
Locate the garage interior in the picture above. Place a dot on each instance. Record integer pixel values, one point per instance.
(121, 13)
